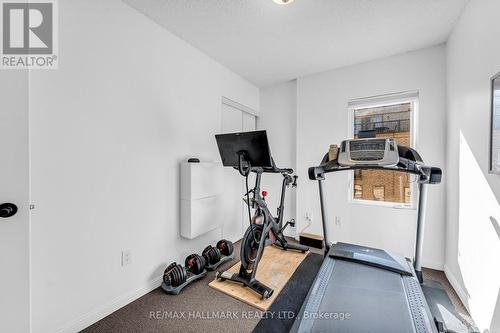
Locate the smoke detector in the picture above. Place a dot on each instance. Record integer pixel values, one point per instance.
(283, 2)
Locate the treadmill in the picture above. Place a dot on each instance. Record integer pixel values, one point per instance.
(363, 289)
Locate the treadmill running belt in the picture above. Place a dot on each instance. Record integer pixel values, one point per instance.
(356, 298)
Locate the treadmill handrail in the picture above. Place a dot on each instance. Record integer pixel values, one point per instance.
(409, 162)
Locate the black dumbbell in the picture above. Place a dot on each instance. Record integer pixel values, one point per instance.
(225, 247)
(213, 255)
(174, 275)
(195, 263)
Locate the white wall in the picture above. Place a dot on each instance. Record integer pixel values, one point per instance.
(108, 130)
(130, 101)
(278, 117)
(322, 119)
(14, 188)
(473, 212)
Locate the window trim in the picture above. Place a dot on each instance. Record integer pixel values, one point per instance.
(379, 101)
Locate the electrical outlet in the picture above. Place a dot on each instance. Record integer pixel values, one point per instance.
(309, 216)
(126, 257)
(338, 220)
(291, 230)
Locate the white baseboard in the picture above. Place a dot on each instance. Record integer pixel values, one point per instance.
(94, 316)
(290, 233)
(462, 294)
(433, 265)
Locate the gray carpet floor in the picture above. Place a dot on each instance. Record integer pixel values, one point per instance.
(196, 299)
(196, 303)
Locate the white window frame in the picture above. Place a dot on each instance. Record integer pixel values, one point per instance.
(379, 101)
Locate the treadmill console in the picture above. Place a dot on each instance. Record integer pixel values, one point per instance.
(376, 151)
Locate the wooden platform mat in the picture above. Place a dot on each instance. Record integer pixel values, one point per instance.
(275, 269)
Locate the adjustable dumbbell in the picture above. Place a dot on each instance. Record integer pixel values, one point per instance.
(225, 247)
(195, 263)
(211, 254)
(176, 274)
(215, 256)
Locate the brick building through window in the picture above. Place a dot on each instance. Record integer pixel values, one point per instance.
(389, 121)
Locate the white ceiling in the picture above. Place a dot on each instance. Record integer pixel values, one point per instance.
(269, 43)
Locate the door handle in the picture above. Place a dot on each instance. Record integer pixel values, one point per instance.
(7, 210)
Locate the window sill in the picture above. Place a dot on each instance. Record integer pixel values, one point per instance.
(385, 204)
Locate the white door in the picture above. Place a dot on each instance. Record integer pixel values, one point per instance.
(14, 188)
(248, 124)
(235, 211)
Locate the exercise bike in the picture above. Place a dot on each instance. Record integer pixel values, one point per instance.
(248, 152)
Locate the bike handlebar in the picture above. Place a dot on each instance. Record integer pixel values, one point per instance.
(274, 169)
(245, 168)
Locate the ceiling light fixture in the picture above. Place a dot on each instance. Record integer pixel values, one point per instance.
(283, 2)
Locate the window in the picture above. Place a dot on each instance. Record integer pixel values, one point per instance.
(383, 117)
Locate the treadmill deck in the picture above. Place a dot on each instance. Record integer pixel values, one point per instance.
(355, 296)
